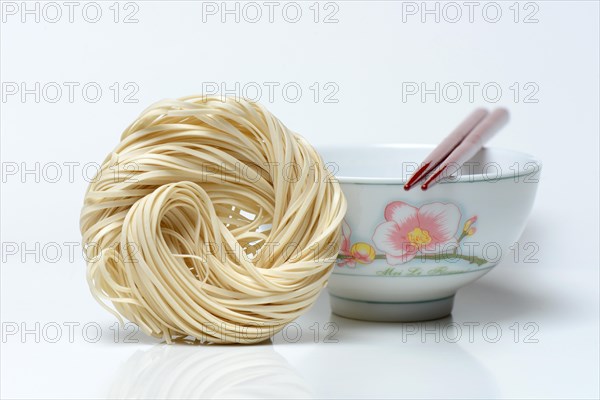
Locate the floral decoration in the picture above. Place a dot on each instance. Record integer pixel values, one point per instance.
(428, 232)
(351, 254)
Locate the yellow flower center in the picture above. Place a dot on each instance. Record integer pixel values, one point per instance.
(363, 253)
(419, 237)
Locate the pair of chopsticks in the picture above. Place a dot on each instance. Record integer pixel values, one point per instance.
(459, 146)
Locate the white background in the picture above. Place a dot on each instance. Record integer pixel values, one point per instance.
(369, 56)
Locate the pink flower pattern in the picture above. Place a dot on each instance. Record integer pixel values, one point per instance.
(346, 260)
(409, 231)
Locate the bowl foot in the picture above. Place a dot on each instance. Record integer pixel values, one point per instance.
(392, 311)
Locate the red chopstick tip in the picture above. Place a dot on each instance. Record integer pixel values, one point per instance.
(432, 178)
(417, 176)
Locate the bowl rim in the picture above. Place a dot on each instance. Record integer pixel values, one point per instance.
(521, 173)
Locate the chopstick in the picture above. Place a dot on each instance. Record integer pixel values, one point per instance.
(448, 145)
(471, 144)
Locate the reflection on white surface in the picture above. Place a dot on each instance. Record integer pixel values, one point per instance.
(372, 360)
(197, 371)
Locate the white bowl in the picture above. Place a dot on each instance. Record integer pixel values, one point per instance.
(406, 253)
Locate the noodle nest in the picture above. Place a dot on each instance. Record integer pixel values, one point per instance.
(211, 220)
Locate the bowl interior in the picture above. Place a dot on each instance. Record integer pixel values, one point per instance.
(394, 163)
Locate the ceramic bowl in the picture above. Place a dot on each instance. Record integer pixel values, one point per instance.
(404, 254)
